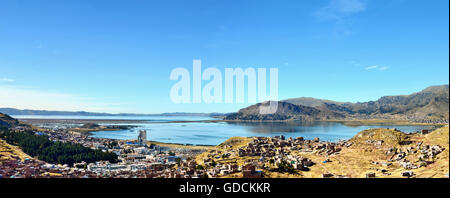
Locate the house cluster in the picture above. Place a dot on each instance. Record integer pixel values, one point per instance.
(412, 157)
(222, 169)
(31, 168)
(249, 171)
(216, 167)
(260, 146)
(269, 151)
(278, 147)
(429, 121)
(412, 118)
(137, 159)
(134, 170)
(298, 162)
(154, 165)
(77, 138)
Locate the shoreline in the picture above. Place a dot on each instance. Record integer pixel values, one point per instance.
(384, 122)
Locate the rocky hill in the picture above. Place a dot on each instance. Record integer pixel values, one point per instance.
(431, 103)
(285, 111)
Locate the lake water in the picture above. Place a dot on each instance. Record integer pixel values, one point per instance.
(159, 128)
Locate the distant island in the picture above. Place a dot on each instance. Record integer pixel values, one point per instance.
(430, 105)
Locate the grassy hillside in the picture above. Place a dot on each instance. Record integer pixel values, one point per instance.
(285, 111)
(8, 152)
(438, 137)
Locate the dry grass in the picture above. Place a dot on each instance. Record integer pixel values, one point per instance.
(441, 165)
(235, 142)
(356, 160)
(8, 152)
(229, 145)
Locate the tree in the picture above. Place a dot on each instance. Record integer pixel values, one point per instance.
(55, 152)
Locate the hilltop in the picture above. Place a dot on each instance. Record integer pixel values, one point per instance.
(285, 111)
(430, 104)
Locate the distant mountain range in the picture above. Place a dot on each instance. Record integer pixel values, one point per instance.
(13, 111)
(431, 103)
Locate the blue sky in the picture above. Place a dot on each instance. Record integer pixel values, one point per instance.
(116, 56)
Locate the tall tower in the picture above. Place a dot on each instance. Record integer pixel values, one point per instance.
(142, 138)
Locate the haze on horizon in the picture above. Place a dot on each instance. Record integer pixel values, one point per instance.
(116, 57)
